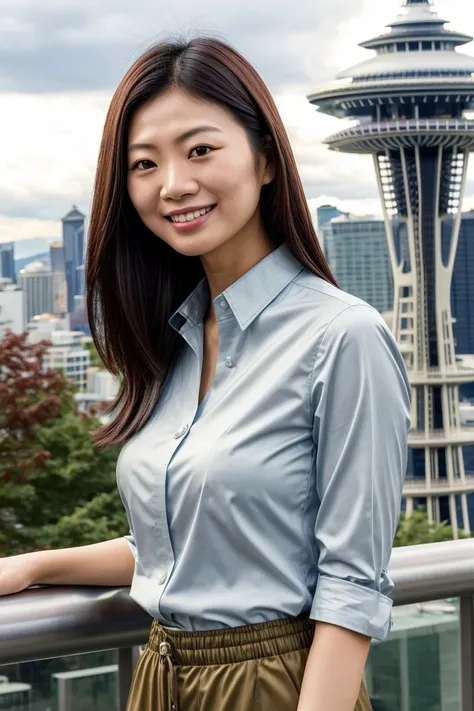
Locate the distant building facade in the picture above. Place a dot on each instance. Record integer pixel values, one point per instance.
(58, 268)
(357, 252)
(37, 284)
(7, 260)
(462, 288)
(68, 355)
(325, 214)
(12, 310)
(73, 241)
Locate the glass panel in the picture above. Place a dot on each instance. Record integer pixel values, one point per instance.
(418, 666)
(84, 682)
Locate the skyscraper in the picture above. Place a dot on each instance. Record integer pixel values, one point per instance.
(7, 260)
(462, 293)
(37, 284)
(356, 250)
(73, 239)
(409, 103)
(58, 268)
(325, 214)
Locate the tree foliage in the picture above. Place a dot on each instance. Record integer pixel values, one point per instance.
(417, 529)
(57, 489)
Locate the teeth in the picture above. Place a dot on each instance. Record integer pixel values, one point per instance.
(188, 216)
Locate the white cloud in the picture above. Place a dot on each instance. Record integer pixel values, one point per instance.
(49, 142)
(13, 229)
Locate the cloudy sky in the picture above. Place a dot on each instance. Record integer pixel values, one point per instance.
(60, 62)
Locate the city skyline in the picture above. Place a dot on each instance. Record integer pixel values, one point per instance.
(62, 66)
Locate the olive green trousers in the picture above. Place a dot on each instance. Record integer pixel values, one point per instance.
(256, 667)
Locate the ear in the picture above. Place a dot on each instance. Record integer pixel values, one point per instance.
(268, 162)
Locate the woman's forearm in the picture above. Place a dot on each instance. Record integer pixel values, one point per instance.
(334, 669)
(107, 563)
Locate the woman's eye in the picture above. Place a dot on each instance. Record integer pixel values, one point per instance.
(147, 164)
(201, 151)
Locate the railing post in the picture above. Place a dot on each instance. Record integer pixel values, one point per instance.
(467, 652)
(127, 659)
(65, 694)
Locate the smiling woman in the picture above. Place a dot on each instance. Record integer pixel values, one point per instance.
(190, 126)
(261, 469)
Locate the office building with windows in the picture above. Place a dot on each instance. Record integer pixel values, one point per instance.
(7, 260)
(357, 253)
(73, 241)
(36, 280)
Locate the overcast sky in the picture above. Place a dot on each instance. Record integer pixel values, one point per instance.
(61, 61)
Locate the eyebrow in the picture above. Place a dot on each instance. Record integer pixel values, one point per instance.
(180, 139)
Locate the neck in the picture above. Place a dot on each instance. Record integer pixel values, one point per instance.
(226, 264)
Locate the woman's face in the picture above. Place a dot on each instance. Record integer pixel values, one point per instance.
(192, 175)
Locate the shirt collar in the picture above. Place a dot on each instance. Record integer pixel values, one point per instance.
(247, 297)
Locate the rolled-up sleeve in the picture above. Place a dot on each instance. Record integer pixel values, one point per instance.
(360, 399)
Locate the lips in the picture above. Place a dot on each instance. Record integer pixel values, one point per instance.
(195, 223)
(189, 214)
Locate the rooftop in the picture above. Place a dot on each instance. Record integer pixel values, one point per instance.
(35, 267)
(73, 215)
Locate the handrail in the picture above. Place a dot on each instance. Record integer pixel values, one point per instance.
(52, 621)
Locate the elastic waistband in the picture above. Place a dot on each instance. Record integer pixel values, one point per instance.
(235, 644)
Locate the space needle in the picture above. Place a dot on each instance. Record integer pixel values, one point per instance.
(409, 107)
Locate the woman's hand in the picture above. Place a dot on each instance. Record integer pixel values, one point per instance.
(18, 572)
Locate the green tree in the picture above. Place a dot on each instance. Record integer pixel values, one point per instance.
(56, 487)
(417, 529)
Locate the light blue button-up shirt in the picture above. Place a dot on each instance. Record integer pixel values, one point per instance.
(281, 493)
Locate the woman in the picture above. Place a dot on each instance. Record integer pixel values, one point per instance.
(263, 412)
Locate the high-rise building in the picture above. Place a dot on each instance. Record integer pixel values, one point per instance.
(56, 251)
(409, 106)
(7, 260)
(326, 213)
(357, 253)
(37, 284)
(58, 268)
(462, 292)
(73, 240)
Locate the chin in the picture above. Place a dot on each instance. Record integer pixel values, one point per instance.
(195, 246)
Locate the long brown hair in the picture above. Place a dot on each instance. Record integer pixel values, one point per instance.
(134, 280)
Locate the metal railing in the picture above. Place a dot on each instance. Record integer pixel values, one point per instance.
(46, 622)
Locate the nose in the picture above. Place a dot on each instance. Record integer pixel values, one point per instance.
(177, 182)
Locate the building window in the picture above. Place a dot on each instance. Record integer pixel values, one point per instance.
(413, 46)
(427, 46)
(437, 45)
(401, 47)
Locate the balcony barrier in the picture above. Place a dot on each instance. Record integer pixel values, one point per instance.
(45, 622)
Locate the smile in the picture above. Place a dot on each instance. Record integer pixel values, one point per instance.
(190, 220)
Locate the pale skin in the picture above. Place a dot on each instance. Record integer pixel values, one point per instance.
(184, 166)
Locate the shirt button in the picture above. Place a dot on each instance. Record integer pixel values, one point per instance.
(229, 362)
(162, 578)
(223, 304)
(181, 432)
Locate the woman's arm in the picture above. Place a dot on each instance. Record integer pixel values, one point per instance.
(108, 563)
(360, 396)
(334, 670)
